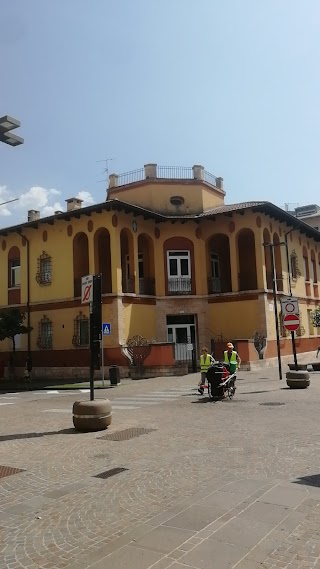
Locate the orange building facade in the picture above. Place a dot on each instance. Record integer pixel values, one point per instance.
(179, 267)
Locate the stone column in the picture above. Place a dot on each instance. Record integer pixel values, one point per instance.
(116, 268)
(150, 171)
(219, 182)
(234, 263)
(135, 264)
(198, 172)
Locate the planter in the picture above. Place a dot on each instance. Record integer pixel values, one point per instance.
(137, 372)
(298, 379)
(316, 366)
(91, 416)
(300, 367)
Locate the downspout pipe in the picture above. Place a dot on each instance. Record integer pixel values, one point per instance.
(29, 359)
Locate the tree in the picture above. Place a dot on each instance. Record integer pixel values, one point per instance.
(11, 325)
(315, 317)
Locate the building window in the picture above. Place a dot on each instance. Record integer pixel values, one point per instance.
(179, 264)
(44, 274)
(306, 266)
(215, 266)
(294, 265)
(81, 331)
(140, 265)
(314, 270)
(310, 323)
(14, 273)
(179, 272)
(45, 335)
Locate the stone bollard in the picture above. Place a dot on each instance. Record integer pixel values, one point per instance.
(92, 415)
(316, 366)
(298, 379)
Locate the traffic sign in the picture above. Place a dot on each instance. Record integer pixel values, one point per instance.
(86, 289)
(291, 322)
(289, 305)
(106, 329)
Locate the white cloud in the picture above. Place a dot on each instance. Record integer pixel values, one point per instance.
(35, 198)
(50, 209)
(39, 198)
(4, 211)
(86, 197)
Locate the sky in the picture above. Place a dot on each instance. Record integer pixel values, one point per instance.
(232, 85)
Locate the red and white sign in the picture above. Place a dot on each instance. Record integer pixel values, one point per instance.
(289, 305)
(291, 322)
(86, 289)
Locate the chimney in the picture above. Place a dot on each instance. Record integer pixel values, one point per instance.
(73, 203)
(33, 215)
(198, 172)
(150, 171)
(113, 180)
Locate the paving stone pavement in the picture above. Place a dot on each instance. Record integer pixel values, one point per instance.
(214, 485)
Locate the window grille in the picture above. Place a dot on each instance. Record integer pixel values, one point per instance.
(80, 331)
(45, 335)
(44, 274)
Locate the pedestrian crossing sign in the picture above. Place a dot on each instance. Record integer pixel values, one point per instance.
(106, 329)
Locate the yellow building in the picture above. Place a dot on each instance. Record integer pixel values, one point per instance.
(178, 265)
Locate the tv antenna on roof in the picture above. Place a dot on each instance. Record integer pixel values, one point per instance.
(106, 169)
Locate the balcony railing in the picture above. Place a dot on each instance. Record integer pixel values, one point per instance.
(214, 285)
(179, 286)
(153, 171)
(147, 286)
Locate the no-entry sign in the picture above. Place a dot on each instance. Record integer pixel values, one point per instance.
(291, 322)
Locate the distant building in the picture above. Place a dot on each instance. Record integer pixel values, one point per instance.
(310, 214)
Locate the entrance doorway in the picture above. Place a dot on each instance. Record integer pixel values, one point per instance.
(181, 330)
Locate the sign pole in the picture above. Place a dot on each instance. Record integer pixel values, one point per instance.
(102, 359)
(274, 286)
(294, 350)
(91, 353)
(290, 292)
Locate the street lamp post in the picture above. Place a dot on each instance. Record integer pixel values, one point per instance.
(7, 124)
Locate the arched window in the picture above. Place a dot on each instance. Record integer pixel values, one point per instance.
(179, 266)
(80, 260)
(14, 268)
(102, 256)
(278, 261)
(306, 264)
(247, 260)
(219, 267)
(314, 267)
(127, 261)
(146, 265)
(267, 258)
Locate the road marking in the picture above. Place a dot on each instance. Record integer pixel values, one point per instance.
(9, 403)
(56, 411)
(84, 390)
(120, 407)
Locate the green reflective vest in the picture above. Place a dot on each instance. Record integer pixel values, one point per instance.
(231, 360)
(205, 363)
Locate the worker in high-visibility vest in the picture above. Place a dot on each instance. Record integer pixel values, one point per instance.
(231, 358)
(206, 360)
